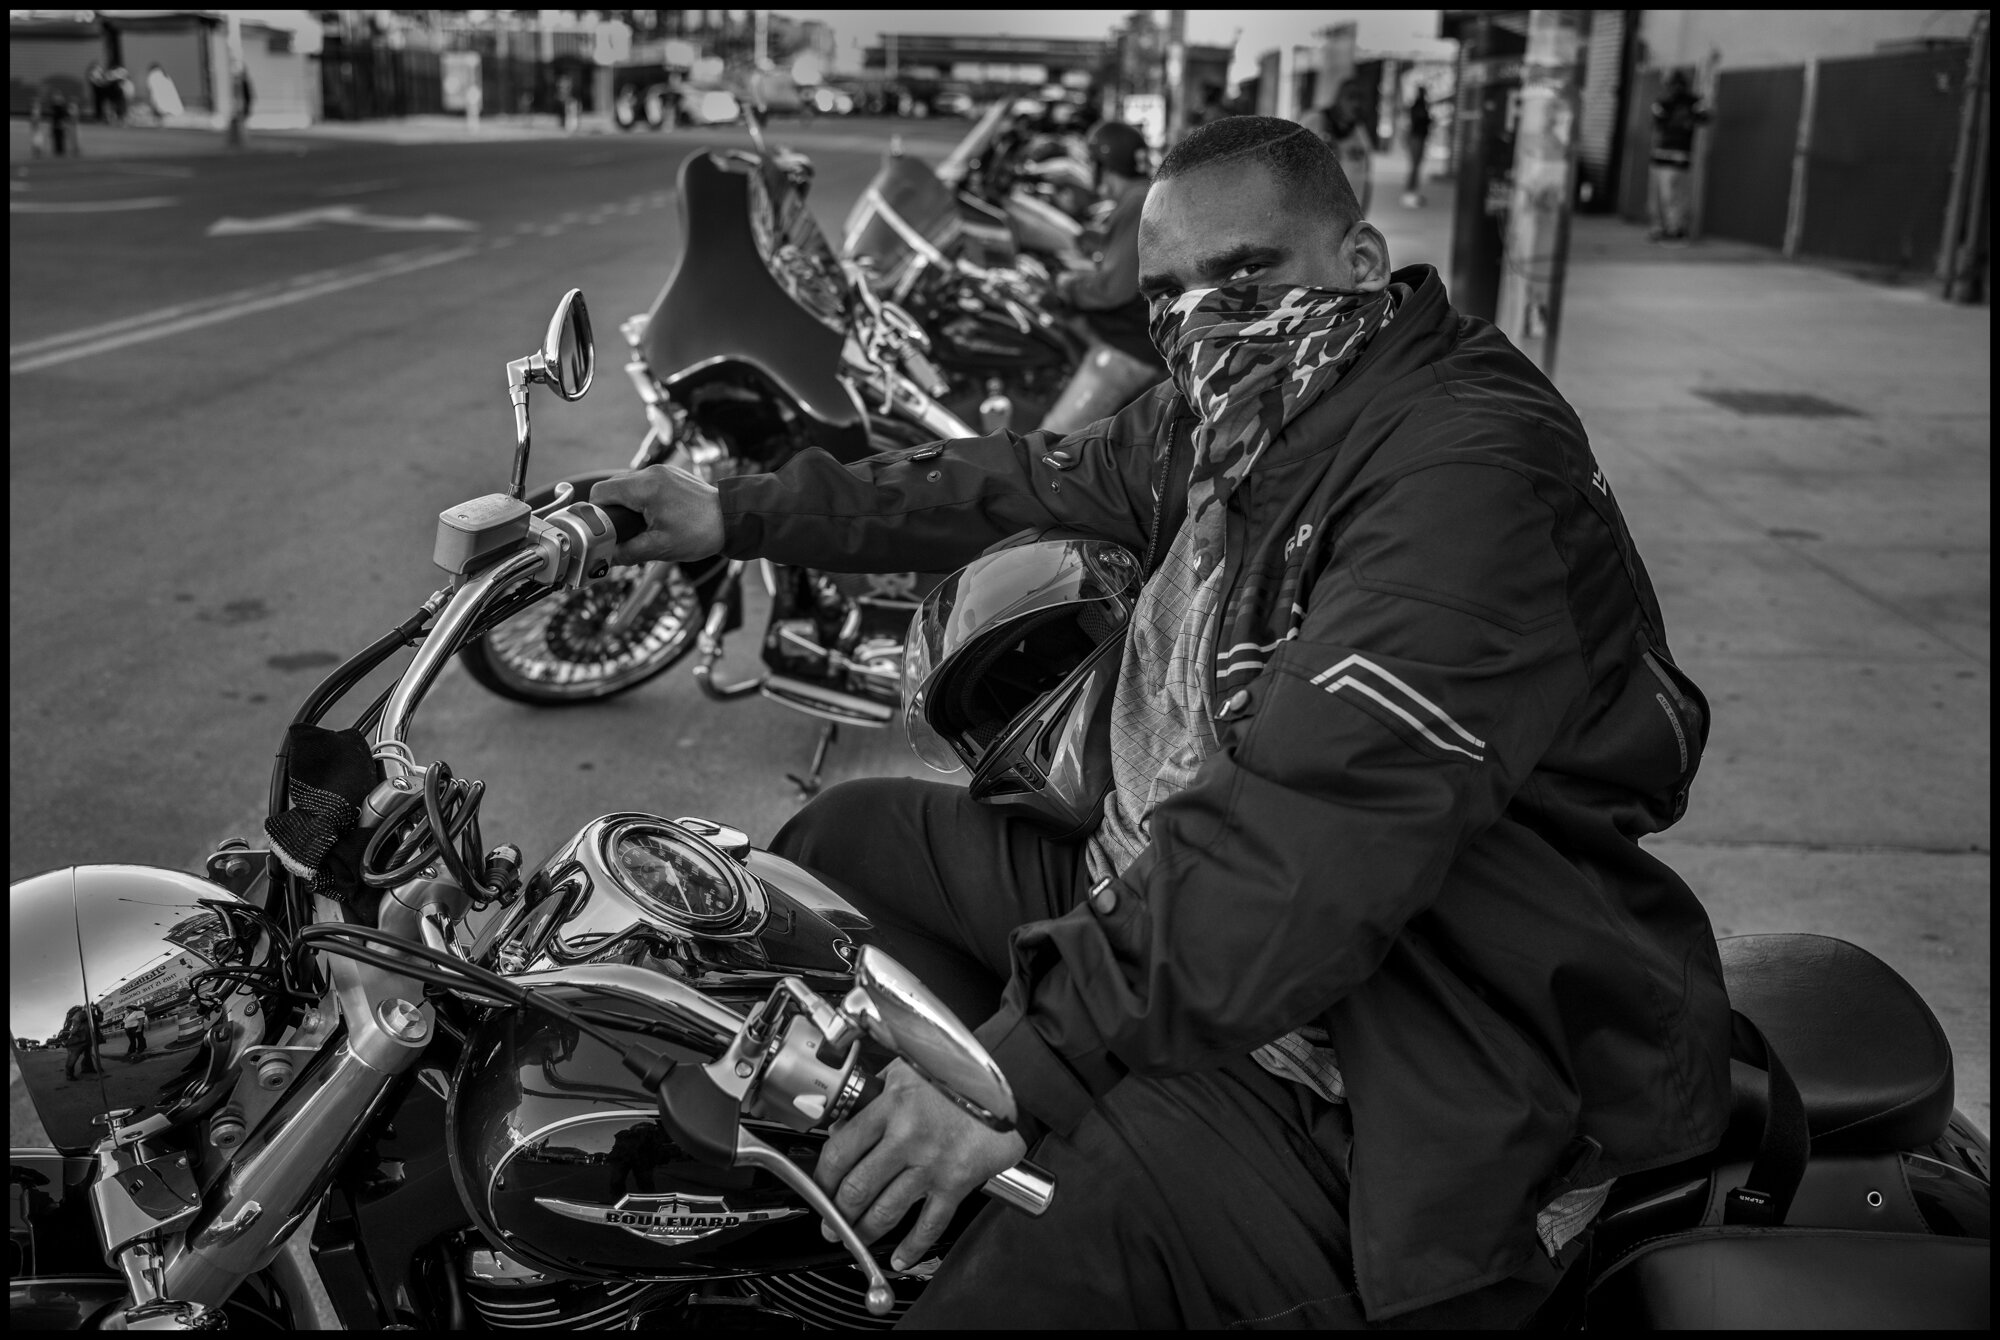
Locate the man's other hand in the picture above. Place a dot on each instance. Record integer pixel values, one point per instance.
(683, 514)
(910, 1144)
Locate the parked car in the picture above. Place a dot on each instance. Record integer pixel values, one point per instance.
(955, 104)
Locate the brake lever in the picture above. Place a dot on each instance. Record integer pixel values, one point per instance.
(753, 1151)
(565, 495)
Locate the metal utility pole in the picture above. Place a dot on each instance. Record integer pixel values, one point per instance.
(1537, 240)
(232, 98)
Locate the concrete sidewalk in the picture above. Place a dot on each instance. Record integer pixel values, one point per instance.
(1825, 577)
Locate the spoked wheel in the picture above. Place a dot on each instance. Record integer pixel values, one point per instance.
(580, 646)
(610, 636)
(593, 643)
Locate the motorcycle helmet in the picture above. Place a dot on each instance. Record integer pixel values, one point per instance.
(1008, 671)
(1116, 147)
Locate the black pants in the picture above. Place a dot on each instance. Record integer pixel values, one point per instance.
(1216, 1199)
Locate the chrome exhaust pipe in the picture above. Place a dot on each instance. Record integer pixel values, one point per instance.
(831, 704)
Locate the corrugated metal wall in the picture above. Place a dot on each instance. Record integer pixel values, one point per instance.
(1884, 132)
(1597, 150)
(1748, 186)
(180, 47)
(35, 59)
(1632, 183)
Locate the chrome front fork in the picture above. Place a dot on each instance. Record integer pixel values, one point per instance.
(183, 1263)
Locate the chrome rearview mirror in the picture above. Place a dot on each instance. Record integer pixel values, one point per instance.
(569, 355)
(900, 1013)
(564, 364)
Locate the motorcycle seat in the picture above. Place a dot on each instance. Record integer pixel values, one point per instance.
(727, 307)
(1869, 1058)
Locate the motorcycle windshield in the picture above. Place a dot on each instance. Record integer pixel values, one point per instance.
(794, 248)
(976, 142)
(906, 217)
(994, 589)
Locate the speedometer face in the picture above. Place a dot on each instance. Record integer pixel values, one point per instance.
(680, 881)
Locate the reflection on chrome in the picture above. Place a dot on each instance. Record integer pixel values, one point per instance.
(102, 1001)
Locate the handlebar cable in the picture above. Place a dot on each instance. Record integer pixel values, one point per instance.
(435, 838)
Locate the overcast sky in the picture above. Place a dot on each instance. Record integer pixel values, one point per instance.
(1411, 31)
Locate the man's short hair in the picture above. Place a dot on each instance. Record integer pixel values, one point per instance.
(1301, 162)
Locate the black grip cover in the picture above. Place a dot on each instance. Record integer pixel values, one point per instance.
(625, 522)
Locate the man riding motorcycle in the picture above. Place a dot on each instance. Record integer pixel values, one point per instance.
(1121, 360)
(1363, 990)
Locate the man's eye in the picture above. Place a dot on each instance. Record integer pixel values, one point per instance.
(1245, 271)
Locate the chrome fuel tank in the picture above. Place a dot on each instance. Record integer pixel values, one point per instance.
(555, 1146)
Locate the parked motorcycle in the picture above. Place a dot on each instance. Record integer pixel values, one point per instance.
(983, 303)
(599, 1112)
(1039, 202)
(761, 343)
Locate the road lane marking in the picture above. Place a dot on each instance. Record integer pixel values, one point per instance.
(206, 304)
(306, 219)
(90, 206)
(217, 315)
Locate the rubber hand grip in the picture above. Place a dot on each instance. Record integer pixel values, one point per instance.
(625, 523)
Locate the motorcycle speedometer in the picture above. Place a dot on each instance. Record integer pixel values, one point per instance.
(675, 876)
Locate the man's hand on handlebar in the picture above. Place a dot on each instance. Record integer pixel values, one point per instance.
(911, 1143)
(683, 514)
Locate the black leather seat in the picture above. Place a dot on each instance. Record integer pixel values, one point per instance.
(1869, 1057)
(723, 305)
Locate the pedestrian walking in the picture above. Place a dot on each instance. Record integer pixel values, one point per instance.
(572, 110)
(1675, 116)
(121, 90)
(1417, 129)
(135, 1032)
(239, 116)
(1345, 130)
(61, 114)
(100, 90)
(79, 1039)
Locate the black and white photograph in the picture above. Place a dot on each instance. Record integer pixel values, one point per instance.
(1086, 669)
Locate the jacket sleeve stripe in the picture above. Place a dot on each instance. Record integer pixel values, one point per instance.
(1341, 681)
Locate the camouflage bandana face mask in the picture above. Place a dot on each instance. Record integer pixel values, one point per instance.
(1249, 359)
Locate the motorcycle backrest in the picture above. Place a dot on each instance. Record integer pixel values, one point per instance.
(722, 304)
(1868, 1056)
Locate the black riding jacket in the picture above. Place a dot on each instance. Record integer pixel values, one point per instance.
(1446, 716)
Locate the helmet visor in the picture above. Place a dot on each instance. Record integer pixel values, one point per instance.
(985, 596)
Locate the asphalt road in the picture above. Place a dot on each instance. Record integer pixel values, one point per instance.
(228, 452)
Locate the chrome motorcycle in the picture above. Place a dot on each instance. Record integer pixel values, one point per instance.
(600, 1110)
(985, 304)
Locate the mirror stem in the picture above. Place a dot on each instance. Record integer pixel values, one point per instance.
(517, 391)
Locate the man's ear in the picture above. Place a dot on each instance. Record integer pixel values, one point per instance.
(1366, 252)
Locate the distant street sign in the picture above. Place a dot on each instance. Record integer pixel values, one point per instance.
(307, 219)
